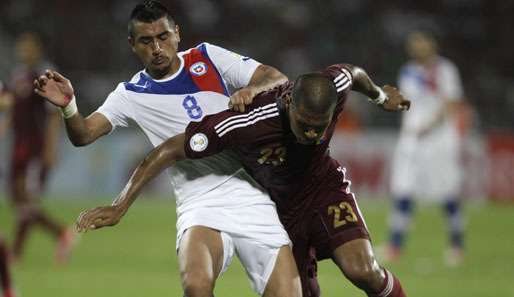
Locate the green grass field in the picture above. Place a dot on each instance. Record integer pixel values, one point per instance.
(137, 258)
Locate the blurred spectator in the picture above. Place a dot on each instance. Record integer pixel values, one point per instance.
(426, 163)
(35, 126)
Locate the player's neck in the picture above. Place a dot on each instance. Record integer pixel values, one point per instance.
(428, 61)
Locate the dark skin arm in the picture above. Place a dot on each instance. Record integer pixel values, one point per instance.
(363, 84)
(58, 90)
(264, 78)
(160, 158)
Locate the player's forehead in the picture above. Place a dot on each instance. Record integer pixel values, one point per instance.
(419, 38)
(144, 29)
(303, 116)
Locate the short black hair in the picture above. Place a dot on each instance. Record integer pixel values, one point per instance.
(147, 12)
(315, 93)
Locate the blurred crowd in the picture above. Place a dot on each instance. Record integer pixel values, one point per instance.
(86, 41)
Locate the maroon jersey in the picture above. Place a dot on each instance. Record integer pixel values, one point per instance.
(267, 147)
(309, 187)
(29, 120)
(30, 110)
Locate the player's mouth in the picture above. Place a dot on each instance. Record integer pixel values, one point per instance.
(159, 60)
(305, 141)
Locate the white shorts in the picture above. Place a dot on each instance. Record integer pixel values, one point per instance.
(254, 232)
(257, 260)
(428, 168)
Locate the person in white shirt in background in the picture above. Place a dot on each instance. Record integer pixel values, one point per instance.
(220, 209)
(426, 163)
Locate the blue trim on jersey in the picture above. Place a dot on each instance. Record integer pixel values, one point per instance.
(203, 49)
(413, 73)
(180, 85)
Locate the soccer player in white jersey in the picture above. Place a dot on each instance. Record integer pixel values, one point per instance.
(426, 161)
(220, 210)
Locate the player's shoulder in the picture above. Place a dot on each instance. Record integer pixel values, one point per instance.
(204, 48)
(134, 80)
(200, 52)
(122, 87)
(446, 63)
(136, 77)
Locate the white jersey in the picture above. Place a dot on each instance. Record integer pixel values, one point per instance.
(429, 89)
(163, 108)
(428, 165)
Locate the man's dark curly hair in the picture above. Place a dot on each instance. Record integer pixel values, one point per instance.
(147, 12)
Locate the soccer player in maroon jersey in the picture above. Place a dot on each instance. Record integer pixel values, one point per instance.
(282, 140)
(35, 126)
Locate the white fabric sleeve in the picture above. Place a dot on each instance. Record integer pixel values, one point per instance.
(235, 69)
(451, 85)
(116, 108)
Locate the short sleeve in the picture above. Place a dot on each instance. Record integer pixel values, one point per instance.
(201, 139)
(235, 69)
(225, 130)
(342, 78)
(116, 108)
(450, 82)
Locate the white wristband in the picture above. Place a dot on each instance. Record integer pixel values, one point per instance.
(382, 97)
(69, 110)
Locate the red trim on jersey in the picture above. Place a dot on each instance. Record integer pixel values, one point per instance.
(208, 81)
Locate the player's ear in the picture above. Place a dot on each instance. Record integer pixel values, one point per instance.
(177, 32)
(131, 41)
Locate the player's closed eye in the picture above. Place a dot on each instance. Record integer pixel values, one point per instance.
(145, 40)
(164, 36)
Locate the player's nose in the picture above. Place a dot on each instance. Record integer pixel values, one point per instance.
(311, 134)
(156, 48)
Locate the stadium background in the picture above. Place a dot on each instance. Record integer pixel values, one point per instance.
(87, 41)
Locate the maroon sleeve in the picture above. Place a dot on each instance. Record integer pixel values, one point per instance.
(213, 134)
(342, 78)
(201, 137)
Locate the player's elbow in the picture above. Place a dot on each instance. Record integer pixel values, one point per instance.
(273, 73)
(166, 154)
(80, 141)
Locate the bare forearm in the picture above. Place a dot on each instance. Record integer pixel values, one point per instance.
(77, 130)
(162, 157)
(83, 131)
(362, 83)
(265, 78)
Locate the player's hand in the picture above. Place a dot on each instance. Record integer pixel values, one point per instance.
(241, 98)
(99, 217)
(56, 88)
(395, 101)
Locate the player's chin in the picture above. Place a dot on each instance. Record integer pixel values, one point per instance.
(161, 69)
(305, 141)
